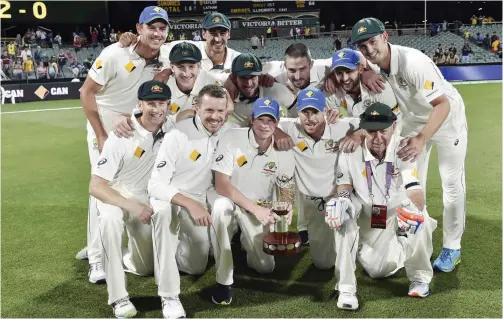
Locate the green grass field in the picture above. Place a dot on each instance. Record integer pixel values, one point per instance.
(45, 175)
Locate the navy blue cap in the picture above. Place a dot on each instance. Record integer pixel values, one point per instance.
(151, 13)
(346, 58)
(311, 98)
(266, 106)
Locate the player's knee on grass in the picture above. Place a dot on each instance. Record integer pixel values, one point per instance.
(192, 253)
(262, 265)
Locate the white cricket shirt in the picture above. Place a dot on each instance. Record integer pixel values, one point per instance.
(243, 106)
(183, 164)
(315, 161)
(255, 175)
(416, 81)
(181, 101)
(121, 71)
(127, 162)
(352, 171)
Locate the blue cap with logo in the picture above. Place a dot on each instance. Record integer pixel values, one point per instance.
(346, 58)
(266, 106)
(311, 98)
(152, 13)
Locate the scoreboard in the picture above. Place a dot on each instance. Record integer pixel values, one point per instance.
(235, 7)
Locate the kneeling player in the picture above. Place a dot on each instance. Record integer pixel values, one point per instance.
(119, 182)
(248, 170)
(394, 225)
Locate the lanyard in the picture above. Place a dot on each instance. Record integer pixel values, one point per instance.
(389, 171)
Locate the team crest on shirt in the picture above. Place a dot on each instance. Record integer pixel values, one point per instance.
(367, 102)
(331, 146)
(95, 143)
(402, 83)
(269, 168)
(394, 171)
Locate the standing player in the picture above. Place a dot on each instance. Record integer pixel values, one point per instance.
(433, 112)
(119, 182)
(248, 170)
(109, 93)
(394, 225)
(177, 192)
(316, 151)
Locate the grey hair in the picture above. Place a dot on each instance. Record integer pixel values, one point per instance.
(211, 90)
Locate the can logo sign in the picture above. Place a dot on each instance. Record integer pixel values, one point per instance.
(42, 92)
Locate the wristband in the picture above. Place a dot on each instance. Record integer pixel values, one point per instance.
(344, 194)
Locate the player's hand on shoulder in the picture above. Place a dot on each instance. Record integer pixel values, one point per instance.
(411, 148)
(124, 127)
(282, 141)
(200, 215)
(372, 81)
(331, 84)
(351, 141)
(231, 86)
(127, 39)
(266, 80)
(332, 115)
(163, 76)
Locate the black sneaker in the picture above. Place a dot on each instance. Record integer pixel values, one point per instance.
(222, 294)
(304, 237)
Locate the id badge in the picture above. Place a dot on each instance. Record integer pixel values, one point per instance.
(379, 214)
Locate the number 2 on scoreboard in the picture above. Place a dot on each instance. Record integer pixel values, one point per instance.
(4, 7)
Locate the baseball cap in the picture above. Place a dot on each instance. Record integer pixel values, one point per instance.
(246, 64)
(154, 90)
(346, 58)
(216, 20)
(266, 106)
(185, 52)
(377, 116)
(366, 29)
(151, 13)
(310, 98)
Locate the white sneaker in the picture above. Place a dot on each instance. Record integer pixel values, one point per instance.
(419, 289)
(123, 308)
(82, 254)
(172, 307)
(347, 301)
(96, 273)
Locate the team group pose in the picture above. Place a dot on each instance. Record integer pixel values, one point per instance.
(190, 142)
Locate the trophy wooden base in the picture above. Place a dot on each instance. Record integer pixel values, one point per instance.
(282, 244)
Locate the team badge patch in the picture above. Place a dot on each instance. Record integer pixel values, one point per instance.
(362, 29)
(139, 152)
(195, 155)
(331, 146)
(156, 89)
(342, 55)
(248, 65)
(428, 85)
(309, 93)
(241, 160)
(174, 108)
(415, 173)
(395, 109)
(302, 146)
(269, 168)
(99, 64)
(216, 20)
(130, 67)
(157, 9)
(95, 143)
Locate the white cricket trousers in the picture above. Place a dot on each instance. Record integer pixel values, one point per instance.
(321, 237)
(451, 160)
(139, 258)
(301, 218)
(383, 253)
(108, 118)
(226, 218)
(179, 245)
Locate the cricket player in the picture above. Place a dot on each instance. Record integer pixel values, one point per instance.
(119, 183)
(316, 151)
(177, 189)
(380, 205)
(247, 68)
(433, 112)
(108, 94)
(248, 171)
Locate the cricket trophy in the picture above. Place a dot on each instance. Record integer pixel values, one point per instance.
(279, 241)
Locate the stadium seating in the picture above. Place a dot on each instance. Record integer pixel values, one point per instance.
(482, 29)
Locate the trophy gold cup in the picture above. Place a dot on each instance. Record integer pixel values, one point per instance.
(282, 242)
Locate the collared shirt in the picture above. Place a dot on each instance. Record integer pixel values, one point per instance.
(206, 63)
(256, 175)
(121, 71)
(184, 161)
(243, 106)
(181, 101)
(352, 171)
(127, 162)
(315, 161)
(416, 82)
